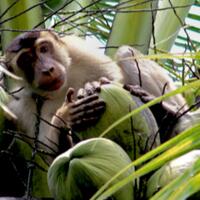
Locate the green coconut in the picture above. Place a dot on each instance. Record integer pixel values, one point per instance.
(82, 170)
(137, 134)
(170, 171)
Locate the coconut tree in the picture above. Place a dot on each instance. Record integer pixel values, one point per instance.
(152, 26)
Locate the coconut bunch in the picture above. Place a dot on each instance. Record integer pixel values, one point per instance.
(137, 134)
(82, 170)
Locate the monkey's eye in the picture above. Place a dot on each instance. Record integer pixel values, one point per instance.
(44, 48)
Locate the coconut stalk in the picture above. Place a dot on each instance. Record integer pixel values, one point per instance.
(39, 186)
(132, 25)
(168, 23)
(18, 15)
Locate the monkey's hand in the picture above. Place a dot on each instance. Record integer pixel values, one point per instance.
(163, 112)
(136, 90)
(85, 109)
(81, 113)
(77, 113)
(159, 109)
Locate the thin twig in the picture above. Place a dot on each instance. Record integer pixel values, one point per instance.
(23, 12)
(7, 9)
(39, 103)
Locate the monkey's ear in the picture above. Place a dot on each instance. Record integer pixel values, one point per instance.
(9, 68)
(14, 45)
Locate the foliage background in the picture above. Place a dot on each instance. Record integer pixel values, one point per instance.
(154, 27)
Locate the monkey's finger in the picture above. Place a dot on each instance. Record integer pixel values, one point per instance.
(146, 99)
(96, 86)
(81, 93)
(136, 90)
(92, 112)
(89, 89)
(139, 92)
(130, 87)
(92, 87)
(95, 105)
(69, 98)
(85, 100)
(84, 123)
(104, 80)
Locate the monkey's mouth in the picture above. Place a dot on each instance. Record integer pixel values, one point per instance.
(52, 85)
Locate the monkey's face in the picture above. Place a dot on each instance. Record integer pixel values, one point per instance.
(36, 56)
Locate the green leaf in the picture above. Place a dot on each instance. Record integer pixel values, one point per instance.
(22, 15)
(168, 23)
(192, 141)
(135, 22)
(173, 175)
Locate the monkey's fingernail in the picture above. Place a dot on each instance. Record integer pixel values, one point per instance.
(98, 89)
(80, 96)
(81, 93)
(89, 88)
(96, 86)
(104, 80)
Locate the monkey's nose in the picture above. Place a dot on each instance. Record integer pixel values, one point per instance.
(48, 72)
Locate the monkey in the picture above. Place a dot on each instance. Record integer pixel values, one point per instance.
(53, 69)
(50, 65)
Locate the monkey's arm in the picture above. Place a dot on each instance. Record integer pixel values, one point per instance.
(148, 75)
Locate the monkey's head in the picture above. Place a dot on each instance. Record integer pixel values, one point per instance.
(40, 58)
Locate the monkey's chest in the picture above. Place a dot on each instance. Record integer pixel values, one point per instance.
(33, 122)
